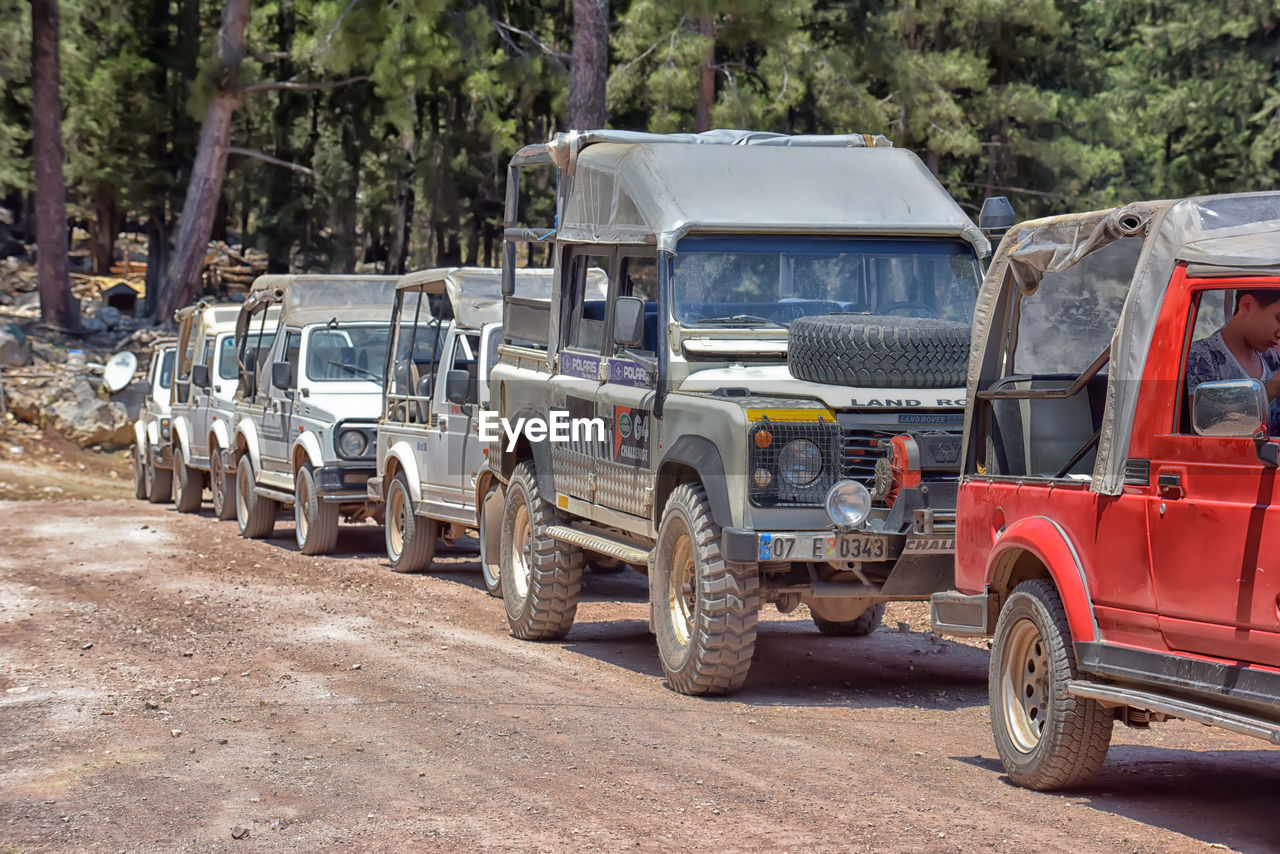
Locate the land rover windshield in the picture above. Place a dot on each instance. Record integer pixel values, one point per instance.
(761, 281)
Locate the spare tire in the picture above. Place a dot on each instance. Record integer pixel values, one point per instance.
(879, 351)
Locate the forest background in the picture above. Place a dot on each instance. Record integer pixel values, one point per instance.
(379, 131)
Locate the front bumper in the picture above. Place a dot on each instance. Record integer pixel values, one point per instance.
(161, 456)
(341, 484)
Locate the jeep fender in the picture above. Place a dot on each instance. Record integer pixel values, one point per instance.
(402, 453)
(218, 438)
(140, 435)
(311, 446)
(541, 452)
(180, 434)
(1045, 539)
(701, 455)
(153, 432)
(247, 432)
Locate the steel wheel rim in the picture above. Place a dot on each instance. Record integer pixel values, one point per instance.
(1025, 683)
(302, 494)
(244, 485)
(398, 522)
(215, 482)
(521, 551)
(680, 592)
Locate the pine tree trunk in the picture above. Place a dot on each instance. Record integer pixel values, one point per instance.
(201, 204)
(103, 229)
(589, 67)
(707, 80)
(57, 307)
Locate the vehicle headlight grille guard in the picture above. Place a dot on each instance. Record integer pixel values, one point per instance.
(766, 441)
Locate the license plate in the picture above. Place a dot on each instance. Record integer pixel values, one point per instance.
(823, 547)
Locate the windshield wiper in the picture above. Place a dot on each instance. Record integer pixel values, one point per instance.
(356, 370)
(739, 320)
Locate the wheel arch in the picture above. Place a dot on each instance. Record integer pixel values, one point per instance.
(247, 443)
(180, 436)
(401, 458)
(1037, 547)
(306, 449)
(218, 439)
(538, 452)
(693, 459)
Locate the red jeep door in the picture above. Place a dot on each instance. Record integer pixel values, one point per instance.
(1213, 519)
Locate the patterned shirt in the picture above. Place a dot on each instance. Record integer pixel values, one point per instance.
(1210, 359)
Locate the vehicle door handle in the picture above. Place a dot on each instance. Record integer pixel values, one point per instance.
(1169, 485)
(444, 422)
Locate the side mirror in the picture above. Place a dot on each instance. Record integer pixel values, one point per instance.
(628, 322)
(282, 375)
(1230, 408)
(457, 386)
(996, 216)
(200, 376)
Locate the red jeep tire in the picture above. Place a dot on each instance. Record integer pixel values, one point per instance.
(1046, 738)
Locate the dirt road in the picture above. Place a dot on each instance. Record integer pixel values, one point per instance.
(165, 682)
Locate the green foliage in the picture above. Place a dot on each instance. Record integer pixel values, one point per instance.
(410, 110)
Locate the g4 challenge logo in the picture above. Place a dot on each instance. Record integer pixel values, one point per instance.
(631, 435)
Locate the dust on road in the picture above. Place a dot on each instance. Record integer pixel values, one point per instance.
(166, 682)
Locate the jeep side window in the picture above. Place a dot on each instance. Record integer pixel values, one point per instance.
(638, 277)
(292, 349)
(585, 328)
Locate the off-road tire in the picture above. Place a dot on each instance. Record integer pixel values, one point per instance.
(159, 483)
(139, 475)
(879, 351)
(315, 521)
(410, 539)
(222, 486)
(490, 565)
(864, 625)
(706, 627)
(188, 491)
(1046, 738)
(541, 577)
(255, 515)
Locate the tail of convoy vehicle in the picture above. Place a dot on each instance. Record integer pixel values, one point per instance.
(308, 402)
(765, 409)
(1118, 531)
(202, 404)
(152, 452)
(431, 463)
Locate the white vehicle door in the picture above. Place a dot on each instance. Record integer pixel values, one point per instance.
(450, 423)
(203, 400)
(275, 420)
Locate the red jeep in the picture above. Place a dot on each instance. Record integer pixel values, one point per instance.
(1118, 536)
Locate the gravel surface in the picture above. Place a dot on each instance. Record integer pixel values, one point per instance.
(168, 686)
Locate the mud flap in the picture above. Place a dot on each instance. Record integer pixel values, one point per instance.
(492, 510)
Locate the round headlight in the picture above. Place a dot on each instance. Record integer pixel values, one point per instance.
(800, 462)
(164, 429)
(762, 478)
(352, 443)
(848, 504)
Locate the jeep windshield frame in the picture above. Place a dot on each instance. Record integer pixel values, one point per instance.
(355, 352)
(767, 281)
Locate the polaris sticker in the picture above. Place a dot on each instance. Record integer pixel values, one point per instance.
(631, 435)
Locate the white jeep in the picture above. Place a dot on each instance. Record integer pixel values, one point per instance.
(308, 403)
(203, 404)
(446, 328)
(152, 452)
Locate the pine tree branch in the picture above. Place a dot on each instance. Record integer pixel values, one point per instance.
(267, 158)
(558, 56)
(297, 86)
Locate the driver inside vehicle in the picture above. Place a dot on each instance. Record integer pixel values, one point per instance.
(1243, 349)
